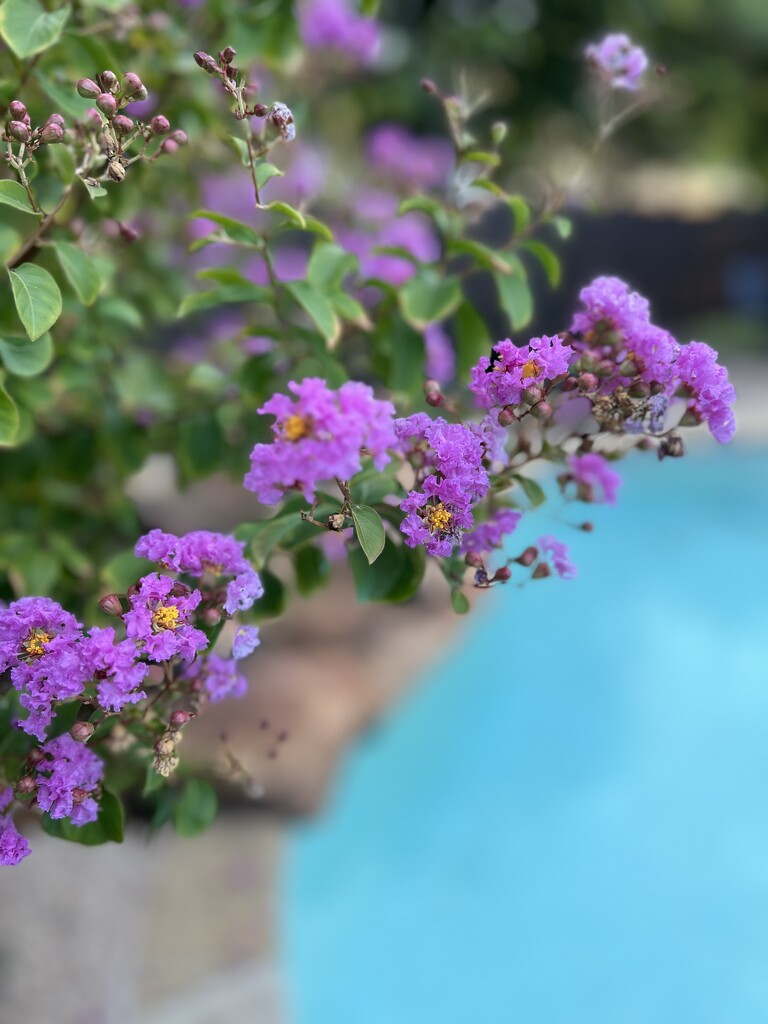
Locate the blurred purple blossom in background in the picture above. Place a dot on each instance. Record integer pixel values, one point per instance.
(336, 25)
(617, 61)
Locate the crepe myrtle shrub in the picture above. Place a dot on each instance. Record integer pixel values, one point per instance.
(333, 359)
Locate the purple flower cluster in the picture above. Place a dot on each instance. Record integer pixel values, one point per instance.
(490, 535)
(219, 677)
(448, 458)
(203, 553)
(615, 332)
(319, 436)
(159, 619)
(502, 380)
(67, 779)
(13, 846)
(595, 479)
(557, 556)
(407, 159)
(379, 227)
(336, 25)
(115, 667)
(40, 646)
(617, 61)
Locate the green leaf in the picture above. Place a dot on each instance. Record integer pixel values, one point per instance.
(10, 241)
(265, 172)
(196, 809)
(122, 570)
(479, 156)
(245, 292)
(374, 581)
(534, 492)
(459, 602)
(472, 339)
(521, 211)
(278, 206)
(25, 359)
(80, 270)
(352, 310)
(108, 828)
(201, 446)
(483, 255)
(328, 265)
(317, 227)
(9, 419)
(428, 297)
(15, 195)
(369, 530)
(37, 298)
(28, 29)
(93, 188)
(370, 8)
(562, 225)
(548, 260)
(318, 308)
(273, 601)
(312, 569)
(515, 297)
(232, 230)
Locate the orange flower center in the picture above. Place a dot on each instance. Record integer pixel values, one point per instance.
(438, 517)
(165, 616)
(531, 369)
(35, 643)
(295, 427)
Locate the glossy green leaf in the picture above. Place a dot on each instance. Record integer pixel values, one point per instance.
(516, 298)
(266, 172)
(350, 309)
(548, 260)
(37, 298)
(109, 827)
(28, 28)
(10, 241)
(318, 308)
(224, 295)
(328, 265)
(428, 297)
(80, 270)
(93, 188)
(373, 582)
(293, 215)
(312, 569)
(317, 227)
(232, 230)
(9, 419)
(12, 193)
(534, 492)
(369, 530)
(23, 358)
(483, 255)
(196, 809)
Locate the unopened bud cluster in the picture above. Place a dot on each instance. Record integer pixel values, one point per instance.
(19, 128)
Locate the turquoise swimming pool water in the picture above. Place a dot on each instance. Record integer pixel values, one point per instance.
(568, 822)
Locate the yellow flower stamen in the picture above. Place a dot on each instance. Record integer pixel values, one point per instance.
(438, 517)
(531, 369)
(295, 427)
(34, 645)
(165, 616)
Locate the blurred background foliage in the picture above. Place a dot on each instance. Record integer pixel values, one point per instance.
(675, 203)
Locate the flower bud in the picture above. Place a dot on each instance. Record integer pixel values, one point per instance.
(260, 110)
(605, 368)
(57, 119)
(474, 558)
(528, 557)
(160, 125)
(507, 416)
(211, 617)
(639, 389)
(79, 794)
(498, 132)
(107, 104)
(179, 718)
(542, 411)
(180, 137)
(35, 757)
(531, 395)
(569, 384)
(661, 70)
(91, 118)
(52, 133)
(433, 394)
(587, 527)
(227, 55)
(123, 125)
(587, 381)
(17, 110)
(109, 81)
(88, 89)
(671, 447)
(111, 604)
(26, 785)
(127, 233)
(81, 731)
(116, 170)
(19, 131)
(132, 84)
(541, 571)
(429, 86)
(628, 368)
(180, 589)
(206, 62)
(169, 146)
(502, 575)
